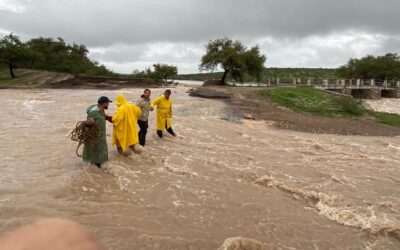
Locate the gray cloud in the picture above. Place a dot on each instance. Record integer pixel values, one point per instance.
(139, 32)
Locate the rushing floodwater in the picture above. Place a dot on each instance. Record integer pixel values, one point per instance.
(220, 178)
(389, 105)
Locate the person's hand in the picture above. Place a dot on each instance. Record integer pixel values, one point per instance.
(48, 235)
(90, 121)
(109, 118)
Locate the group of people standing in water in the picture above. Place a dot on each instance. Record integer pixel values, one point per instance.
(125, 122)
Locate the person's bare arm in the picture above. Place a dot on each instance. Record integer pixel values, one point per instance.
(52, 234)
(90, 121)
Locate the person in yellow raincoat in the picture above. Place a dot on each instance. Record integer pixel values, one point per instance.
(125, 132)
(164, 113)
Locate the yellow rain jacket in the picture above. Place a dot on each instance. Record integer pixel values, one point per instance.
(164, 112)
(125, 132)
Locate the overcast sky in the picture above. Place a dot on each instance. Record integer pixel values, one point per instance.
(132, 34)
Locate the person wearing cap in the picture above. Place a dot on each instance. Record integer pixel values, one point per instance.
(95, 150)
(164, 113)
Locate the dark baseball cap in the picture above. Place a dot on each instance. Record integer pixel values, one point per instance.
(103, 99)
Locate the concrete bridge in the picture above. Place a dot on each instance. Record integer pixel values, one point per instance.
(366, 89)
(359, 88)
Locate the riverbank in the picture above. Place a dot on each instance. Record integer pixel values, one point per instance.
(249, 103)
(27, 79)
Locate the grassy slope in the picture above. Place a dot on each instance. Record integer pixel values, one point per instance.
(319, 103)
(23, 80)
(29, 77)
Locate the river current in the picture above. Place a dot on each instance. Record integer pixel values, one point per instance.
(228, 180)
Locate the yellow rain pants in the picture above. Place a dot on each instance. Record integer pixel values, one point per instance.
(164, 112)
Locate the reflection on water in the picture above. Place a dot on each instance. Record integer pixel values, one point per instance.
(219, 184)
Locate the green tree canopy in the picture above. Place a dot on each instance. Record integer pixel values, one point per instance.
(371, 67)
(161, 72)
(48, 54)
(14, 52)
(164, 71)
(234, 58)
(56, 55)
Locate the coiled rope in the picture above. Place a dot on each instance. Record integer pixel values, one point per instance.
(82, 133)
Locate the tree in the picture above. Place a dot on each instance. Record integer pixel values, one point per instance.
(234, 58)
(163, 71)
(371, 67)
(12, 52)
(56, 55)
(48, 54)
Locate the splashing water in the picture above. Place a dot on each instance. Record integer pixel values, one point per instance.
(219, 184)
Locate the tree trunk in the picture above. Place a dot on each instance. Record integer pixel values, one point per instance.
(10, 66)
(224, 77)
(32, 63)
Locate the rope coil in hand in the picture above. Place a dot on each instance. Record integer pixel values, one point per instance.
(82, 133)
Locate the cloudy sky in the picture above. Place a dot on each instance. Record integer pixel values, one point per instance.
(132, 34)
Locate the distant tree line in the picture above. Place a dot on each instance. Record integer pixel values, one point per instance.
(48, 54)
(369, 67)
(270, 73)
(236, 61)
(372, 67)
(302, 73)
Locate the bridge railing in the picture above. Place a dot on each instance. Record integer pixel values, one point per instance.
(344, 83)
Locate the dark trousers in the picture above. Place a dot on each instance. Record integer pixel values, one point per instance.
(143, 125)
(169, 130)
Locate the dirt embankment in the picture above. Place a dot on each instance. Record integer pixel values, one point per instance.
(31, 78)
(249, 104)
(44, 79)
(92, 82)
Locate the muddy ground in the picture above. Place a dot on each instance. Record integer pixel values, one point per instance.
(249, 104)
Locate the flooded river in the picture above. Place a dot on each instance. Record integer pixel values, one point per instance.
(222, 177)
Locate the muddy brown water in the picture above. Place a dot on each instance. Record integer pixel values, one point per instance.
(221, 178)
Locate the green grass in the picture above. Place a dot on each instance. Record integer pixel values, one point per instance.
(5, 81)
(313, 101)
(386, 118)
(323, 104)
(8, 81)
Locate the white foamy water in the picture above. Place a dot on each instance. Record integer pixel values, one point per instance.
(388, 105)
(222, 183)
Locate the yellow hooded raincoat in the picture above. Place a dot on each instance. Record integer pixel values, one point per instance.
(164, 112)
(125, 132)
